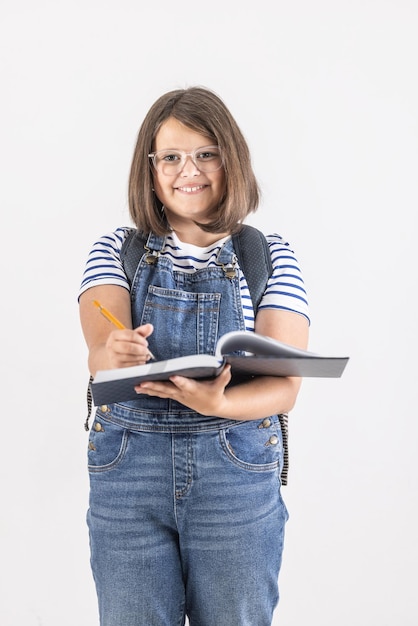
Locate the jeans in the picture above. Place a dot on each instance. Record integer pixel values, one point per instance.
(186, 522)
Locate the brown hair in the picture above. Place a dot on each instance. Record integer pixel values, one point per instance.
(201, 110)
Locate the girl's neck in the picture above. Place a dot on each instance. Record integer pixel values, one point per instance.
(198, 237)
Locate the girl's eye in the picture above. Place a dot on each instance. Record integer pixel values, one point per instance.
(172, 157)
(207, 155)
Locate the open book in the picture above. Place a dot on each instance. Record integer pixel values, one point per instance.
(263, 356)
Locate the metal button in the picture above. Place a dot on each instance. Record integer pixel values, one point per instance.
(274, 440)
(91, 446)
(98, 427)
(266, 423)
(104, 408)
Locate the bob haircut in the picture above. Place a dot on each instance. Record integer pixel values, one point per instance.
(201, 110)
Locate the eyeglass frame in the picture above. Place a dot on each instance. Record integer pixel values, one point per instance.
(184, 156)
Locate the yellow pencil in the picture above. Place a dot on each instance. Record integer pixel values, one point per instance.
(111, 318)
(108, 315)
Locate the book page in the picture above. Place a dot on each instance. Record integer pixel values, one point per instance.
(258, 345)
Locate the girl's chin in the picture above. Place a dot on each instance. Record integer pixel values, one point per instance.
(195, 215)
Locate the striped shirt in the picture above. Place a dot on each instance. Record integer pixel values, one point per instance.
(285, 289)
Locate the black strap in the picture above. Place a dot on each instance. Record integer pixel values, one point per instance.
(131, 252)
(89, 404)
(254, 259)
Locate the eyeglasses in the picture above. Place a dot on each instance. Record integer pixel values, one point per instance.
(171, 162)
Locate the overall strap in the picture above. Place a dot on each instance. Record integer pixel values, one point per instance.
(250, 246)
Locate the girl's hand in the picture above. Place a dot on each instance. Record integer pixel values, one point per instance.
(207, 397)
(128, 347)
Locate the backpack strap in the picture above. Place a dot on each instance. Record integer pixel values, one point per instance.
(250, 246)
(254, 259)
(131, 252)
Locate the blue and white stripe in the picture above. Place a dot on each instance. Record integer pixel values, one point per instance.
(285, 289)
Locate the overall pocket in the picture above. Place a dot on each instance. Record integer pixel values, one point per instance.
(184, 322)
(255, 445)
(107, 445)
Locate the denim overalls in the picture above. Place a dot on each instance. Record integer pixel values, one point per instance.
(186, 515)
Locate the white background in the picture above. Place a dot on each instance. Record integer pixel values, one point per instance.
(326, 95)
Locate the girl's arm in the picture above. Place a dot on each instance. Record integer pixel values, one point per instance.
(108, 347)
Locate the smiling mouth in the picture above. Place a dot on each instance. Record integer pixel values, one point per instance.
(191, 189)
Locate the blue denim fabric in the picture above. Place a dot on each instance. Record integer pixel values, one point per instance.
(186, 515)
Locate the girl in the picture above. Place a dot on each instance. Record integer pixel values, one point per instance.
(186, 516)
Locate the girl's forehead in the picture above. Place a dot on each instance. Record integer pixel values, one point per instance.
(174, 134)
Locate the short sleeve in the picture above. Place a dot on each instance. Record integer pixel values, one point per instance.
(285, 289)
(104, 266)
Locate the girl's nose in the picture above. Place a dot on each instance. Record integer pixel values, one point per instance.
(189, 167)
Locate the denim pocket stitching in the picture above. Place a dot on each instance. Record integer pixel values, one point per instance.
(252, 467)
(104, 468)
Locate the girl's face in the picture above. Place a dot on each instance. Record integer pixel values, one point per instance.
(190, 195)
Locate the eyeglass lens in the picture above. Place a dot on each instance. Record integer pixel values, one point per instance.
(171, 162)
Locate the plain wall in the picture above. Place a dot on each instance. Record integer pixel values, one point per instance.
(326, 95)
